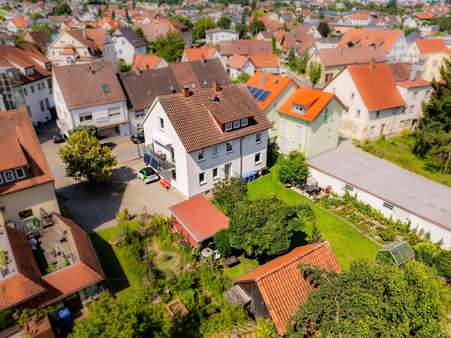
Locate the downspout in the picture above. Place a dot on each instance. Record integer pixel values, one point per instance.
(241, 156)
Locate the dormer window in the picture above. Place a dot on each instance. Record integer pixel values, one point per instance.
(298, 108)
(20, 173)
(244, 122)
(8, 175)
(236, 124)
(105, 89)
(29, 71)
(228, 126)
(200, 155)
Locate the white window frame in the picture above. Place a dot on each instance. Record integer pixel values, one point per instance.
(388, 205)
(1, 178)
(228, 126)
(259, 158)
(349, 187)
(204, 180)
(258, 138)
(215, 177)
(201, 155)
(19, 170)
(6, 178)
(114, 112)
(83, 116)
(231, 147)
(244, 122)
(161, 126)
(215, 151)
(236, 124)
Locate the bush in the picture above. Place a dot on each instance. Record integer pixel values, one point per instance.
(6, 319)
(222, 243)
(228, 193)
(293, 169)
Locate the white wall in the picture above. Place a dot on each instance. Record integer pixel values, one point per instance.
(35, 94)
(125, 50)
(397, 213)
(218, 37)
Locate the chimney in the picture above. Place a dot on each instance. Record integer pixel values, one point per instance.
(186, 92)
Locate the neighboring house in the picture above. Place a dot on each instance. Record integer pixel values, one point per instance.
(77, 46)
(147, 62)
(396, 192)
(26, 80)
(334, 60)
(299, 41)
(39, 39)
(271, 91)
(375, 105)
(202, 53)
(6, 39)
(26, 182)
(217, 35)
(128, 44)
(18, 23)
(198, 220)
(244, 47)
(391, 41)
(143, 87)
(266, 63)
(411, 22)
(357, 19)
(63, 268)
(429, 54)
(325, 43)
(309, 122)
(199, 137)
(265, 36)
(278, 288)
(90, 94)
(161, 27)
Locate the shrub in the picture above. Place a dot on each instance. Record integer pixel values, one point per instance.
(228, 193)
(293, 169)
(6, 318)
(222, 243)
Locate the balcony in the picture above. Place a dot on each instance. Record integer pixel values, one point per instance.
(157, 160)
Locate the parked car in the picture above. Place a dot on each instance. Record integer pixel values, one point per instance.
(58, 138)
(138, 137)
(148, 175)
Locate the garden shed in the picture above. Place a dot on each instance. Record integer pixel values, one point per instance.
(397, 252)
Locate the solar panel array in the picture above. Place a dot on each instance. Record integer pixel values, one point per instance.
(259, 94)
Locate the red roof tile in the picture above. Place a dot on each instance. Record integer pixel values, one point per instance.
(145, 62)
(431, 45)
(383, 38)
(376, 86)
(282, 284)
(200, 218)
(264, 60)
(413, 83)
(201, 53)
(238, 61)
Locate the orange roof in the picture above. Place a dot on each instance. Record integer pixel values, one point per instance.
(199, 217)
(383, 38)
(20, 22)
(143, 62)
(431, 45)
(193, 54)
(376, 86)
(358, 16)
(413, 83)
(275, 84)
(282, 284)
(313, 101)
(264, 60)
(238, 61)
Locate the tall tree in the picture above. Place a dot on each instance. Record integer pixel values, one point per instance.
(85, 159)
(292, 59)
(323, 29)
(374, 301)
(202, 25)
(293, 168)
(256, 26)
(170, 47)
(224, 22)
(314, 72)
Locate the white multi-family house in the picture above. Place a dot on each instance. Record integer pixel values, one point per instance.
(375, 101)
(392, 42)
(357, 19)
(217, 35)
(265, 63)
(197, 138)
(25, 77)
(90, 94)
(82, 46)
(128, 44)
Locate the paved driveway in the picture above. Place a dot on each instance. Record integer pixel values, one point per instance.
(97, 209)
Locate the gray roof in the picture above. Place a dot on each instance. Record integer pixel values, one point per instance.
(131, 36)
(406, 190)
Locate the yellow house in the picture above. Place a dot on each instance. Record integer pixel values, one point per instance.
(26, 183)
(310, 122)
(429, 53)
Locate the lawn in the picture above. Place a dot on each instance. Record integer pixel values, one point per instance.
(398, 150)
(246, 265)
(346, 241)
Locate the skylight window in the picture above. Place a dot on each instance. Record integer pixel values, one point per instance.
(105, 88)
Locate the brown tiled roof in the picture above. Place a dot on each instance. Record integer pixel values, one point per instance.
(142, 88)
(200, 217)
(194, 117)
(81, 84)
(349, 56)
(376, 86)
(158, 27)
(18, 136)
(264, 60)
(383, 38)
(238, 61)
(193, 54)
(81, 37)
(98, 35)
(38, 38)
(298, 41)
(282, 284)
(145, 62)
(244, 47)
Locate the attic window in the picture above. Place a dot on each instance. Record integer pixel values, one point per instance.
(105, 89)
(244, 122)
(298, 108)
(228, 126)
(29, 71)
(236, 124)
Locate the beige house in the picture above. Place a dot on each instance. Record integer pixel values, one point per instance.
(309, 122)
(26, 183)
(429, 54)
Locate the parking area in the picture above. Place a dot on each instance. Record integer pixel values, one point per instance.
(95, 209)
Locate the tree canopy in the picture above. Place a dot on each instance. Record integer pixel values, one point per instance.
(224, 22)
(293, 168)
(170, 47)
(228, 193)
(85, 159)
(201, 26)
(256, 26)
(374, 301)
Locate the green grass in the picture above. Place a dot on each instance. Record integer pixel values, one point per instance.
(346, 241)
(398, 150)
(246, 265)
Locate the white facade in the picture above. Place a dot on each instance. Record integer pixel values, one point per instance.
(216, 36)
(398, 51)
(125, 50)
(194, 173)
(247, 68)
(414, 98)
(359, 123)
(38, 99)
(397, 213)
(108, 117)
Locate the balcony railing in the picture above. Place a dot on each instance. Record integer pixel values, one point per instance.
(157, 160)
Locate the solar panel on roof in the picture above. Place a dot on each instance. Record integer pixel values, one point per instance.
(264, 95)
(258, 94)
